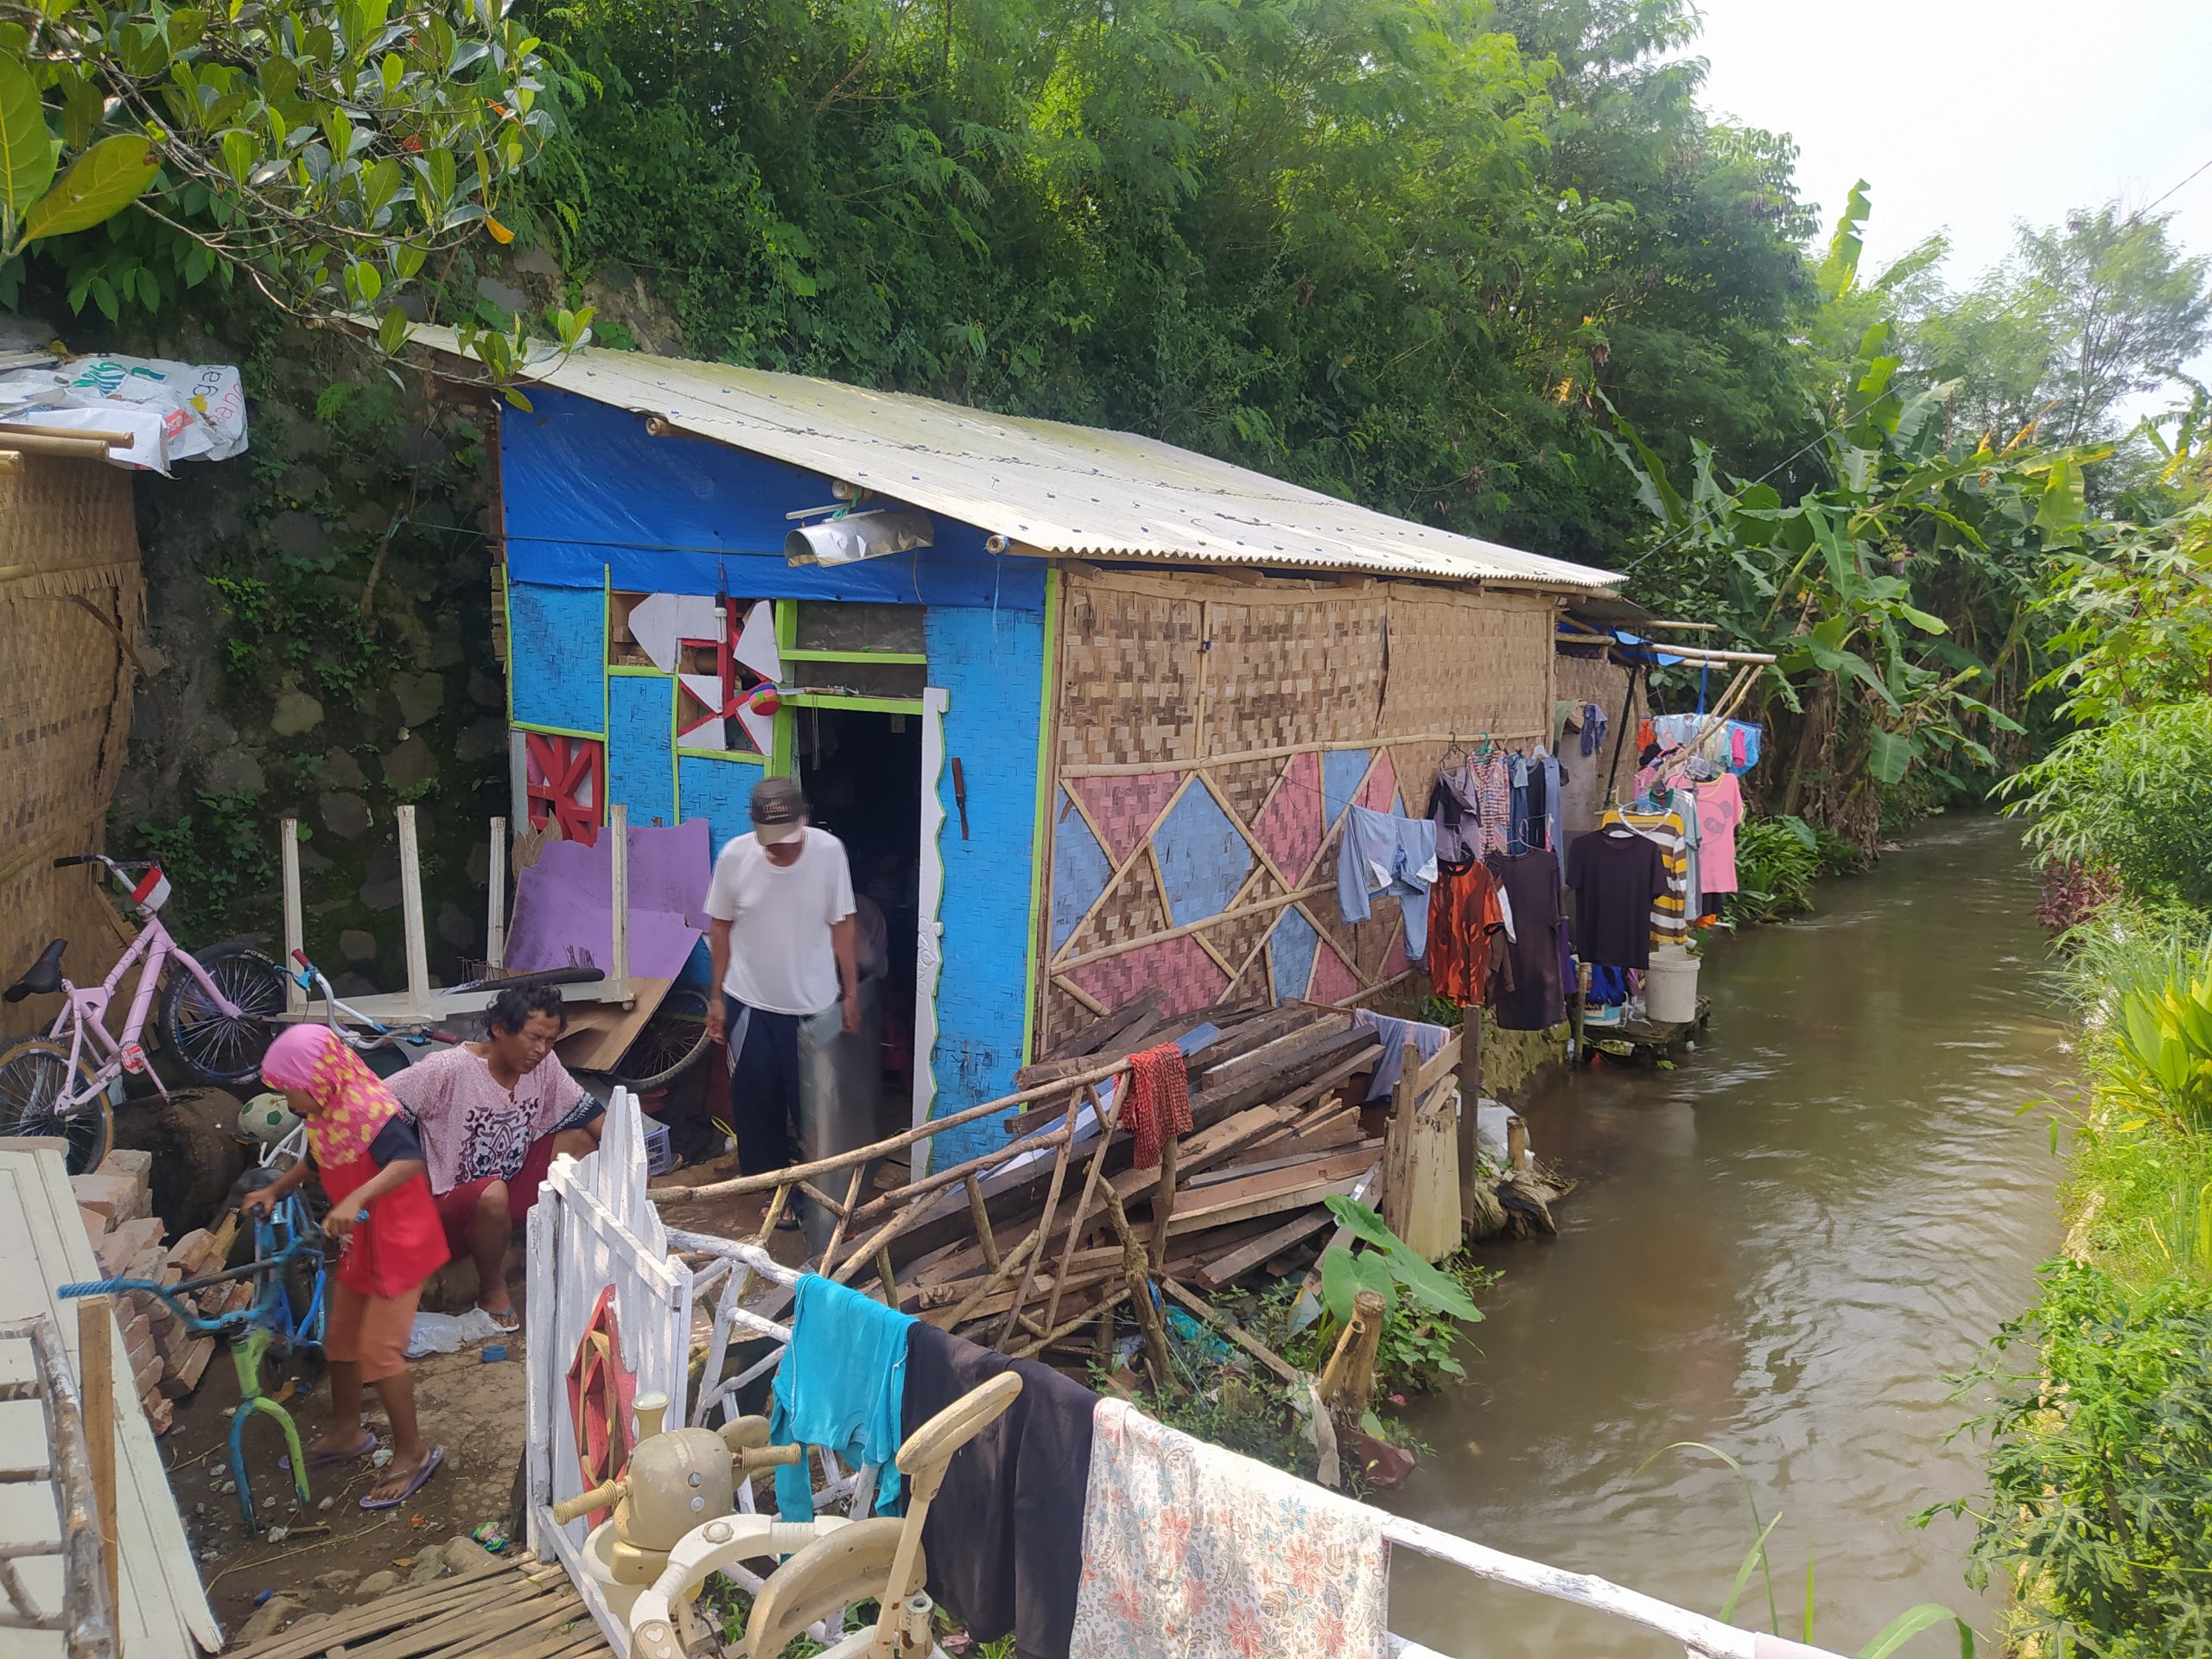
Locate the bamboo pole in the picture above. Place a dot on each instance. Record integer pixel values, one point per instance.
(1106, 1126)
(1347, 1383)
(1136, 1274)
(95, 1390)
(1045, 1225)
(768, 1180)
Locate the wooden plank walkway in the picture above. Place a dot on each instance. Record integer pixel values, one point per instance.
(526, 1609)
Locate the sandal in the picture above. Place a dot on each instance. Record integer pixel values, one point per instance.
(326, 1460)
(423, 1471)
(507, 1319)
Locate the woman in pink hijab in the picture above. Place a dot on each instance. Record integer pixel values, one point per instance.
(371, 1164)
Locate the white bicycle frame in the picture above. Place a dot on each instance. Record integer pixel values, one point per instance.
(85, 1009)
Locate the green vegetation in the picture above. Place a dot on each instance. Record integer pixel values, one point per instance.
(330, 151)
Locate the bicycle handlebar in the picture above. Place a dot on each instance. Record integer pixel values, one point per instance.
(76, 858)
(223, 1324)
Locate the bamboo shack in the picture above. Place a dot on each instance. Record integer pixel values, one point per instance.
(1088, 709)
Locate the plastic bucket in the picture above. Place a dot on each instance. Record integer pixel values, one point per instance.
(1670, 987)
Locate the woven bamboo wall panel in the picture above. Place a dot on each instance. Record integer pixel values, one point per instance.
(72, 593)
(1128, 677)
(1464, 666)
(1284, 703)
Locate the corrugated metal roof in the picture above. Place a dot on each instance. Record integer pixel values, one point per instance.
(1050, 487)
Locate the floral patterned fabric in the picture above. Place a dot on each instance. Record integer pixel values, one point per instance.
(1190, 1552)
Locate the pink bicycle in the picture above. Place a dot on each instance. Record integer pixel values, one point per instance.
(218, 1017)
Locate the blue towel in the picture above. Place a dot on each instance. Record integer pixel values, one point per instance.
(1382, 854)
(840, 1388)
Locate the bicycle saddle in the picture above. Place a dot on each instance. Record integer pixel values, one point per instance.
(43, 977)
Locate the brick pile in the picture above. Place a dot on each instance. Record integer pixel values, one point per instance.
(167, 1359)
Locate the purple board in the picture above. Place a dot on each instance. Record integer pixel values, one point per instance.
(564, 905)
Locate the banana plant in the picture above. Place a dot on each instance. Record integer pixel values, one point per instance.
(1855, 585)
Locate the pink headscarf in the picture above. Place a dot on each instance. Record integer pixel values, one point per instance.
(355, 1103)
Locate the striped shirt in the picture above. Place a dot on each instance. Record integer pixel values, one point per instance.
(1670, 909)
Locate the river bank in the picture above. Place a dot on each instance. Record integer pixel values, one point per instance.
(1779, 1248)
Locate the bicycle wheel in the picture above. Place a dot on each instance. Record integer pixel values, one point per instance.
(216, 1046)
(669, 1045)
(35, 1079)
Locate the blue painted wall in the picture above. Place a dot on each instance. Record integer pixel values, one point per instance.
(991, 665)
(720, 792)
(640, 736)
(556, 640)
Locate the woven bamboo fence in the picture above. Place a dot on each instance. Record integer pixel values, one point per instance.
(1209, 734)
(72, 612)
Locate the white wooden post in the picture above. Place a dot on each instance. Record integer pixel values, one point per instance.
(928, 951)
(295, 937)
(618, 826)
(410, 906)
(495, 921)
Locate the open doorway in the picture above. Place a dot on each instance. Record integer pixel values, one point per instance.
(862, 774)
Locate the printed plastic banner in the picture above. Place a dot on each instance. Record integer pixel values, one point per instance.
(170, 411)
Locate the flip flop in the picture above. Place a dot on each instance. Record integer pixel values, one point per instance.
(508, 1318)
(326, 1460)
(429, 1466)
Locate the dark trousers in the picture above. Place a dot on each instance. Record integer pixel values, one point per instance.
(763, 1084)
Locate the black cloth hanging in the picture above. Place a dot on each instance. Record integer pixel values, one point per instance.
(1534, 999)
(1004, 1538)
(1615, 875)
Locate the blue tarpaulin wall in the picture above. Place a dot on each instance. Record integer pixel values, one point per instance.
(589, 490)
(593, 501)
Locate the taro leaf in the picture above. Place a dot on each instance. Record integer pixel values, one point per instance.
(1434, 1290)
(1361, 1222)
(26, 149)
(106, 179)
(1339, 1282)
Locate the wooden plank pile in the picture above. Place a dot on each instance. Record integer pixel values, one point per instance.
(167, 1360)
(1023, 1247)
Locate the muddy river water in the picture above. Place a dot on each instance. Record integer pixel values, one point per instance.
(1779, 1248)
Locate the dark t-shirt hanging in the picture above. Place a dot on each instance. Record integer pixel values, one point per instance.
(1614, 879)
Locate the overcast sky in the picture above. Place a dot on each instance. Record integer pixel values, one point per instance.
(1967, 116)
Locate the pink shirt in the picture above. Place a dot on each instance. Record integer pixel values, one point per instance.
(1720, 809)
(471, 1127)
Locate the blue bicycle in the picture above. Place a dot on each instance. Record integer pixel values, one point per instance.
(286, 1313)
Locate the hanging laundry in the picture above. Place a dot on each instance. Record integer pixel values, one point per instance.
(1617, 876)
(1427, 1039)
(1467, 922)
(1160, 1100)
(1471, 805)
(1665, 830)
(1608, 987)
(1681, 800)
(1536, 998)
(1004, 1538)
(1382, 854)
(1191, 1551)
(1720, 809)
(839, 1387)
(1593, 728)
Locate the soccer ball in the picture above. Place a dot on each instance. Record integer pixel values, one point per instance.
(267, 1119)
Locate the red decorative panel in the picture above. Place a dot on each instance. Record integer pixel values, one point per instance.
(1332, 981)
(564, 779)
(1125, 808)
(1178, 966)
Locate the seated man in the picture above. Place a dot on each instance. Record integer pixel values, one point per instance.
(490, 1116)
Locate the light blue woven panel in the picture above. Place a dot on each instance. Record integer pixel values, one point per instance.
(557, 656)
(640, 733)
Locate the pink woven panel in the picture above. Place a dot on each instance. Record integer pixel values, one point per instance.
(1125, 808)
(1192, 979)
(1289, 826)
(1394, 960)
(1332, 981)
(1380, 785)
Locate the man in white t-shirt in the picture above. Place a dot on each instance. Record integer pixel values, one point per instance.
(782, 936)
